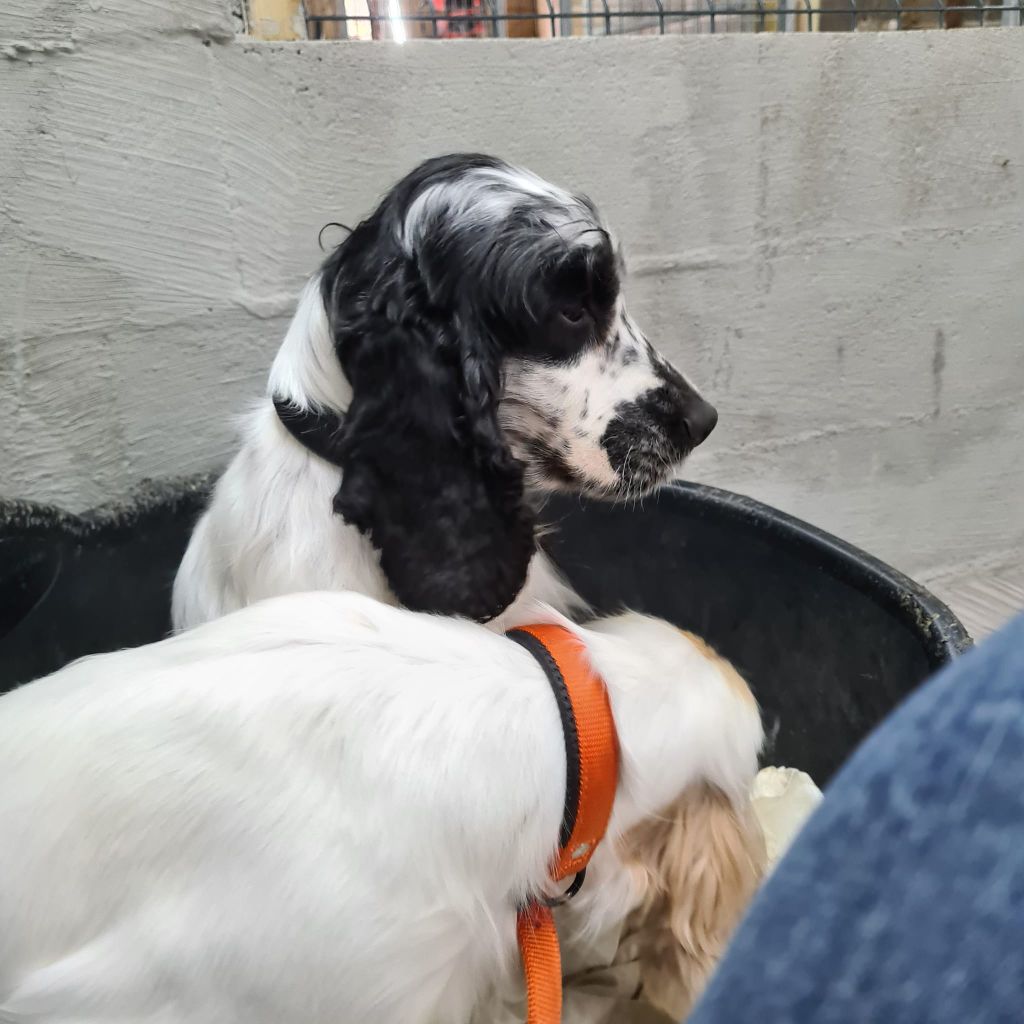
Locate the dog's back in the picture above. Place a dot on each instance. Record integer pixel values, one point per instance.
(320, 808)
(254, 821)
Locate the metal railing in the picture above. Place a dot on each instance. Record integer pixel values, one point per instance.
(448, 19)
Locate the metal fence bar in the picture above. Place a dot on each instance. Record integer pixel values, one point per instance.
(663, 16)
(565, 25)
(492, 18)
(551, 16)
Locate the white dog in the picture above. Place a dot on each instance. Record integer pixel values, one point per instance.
(463, 353)
(326, 809)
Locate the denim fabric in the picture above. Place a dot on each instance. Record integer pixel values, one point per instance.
(903, 899)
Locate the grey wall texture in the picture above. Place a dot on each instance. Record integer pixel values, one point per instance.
(825, 231)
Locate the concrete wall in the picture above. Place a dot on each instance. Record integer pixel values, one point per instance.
(825, 231)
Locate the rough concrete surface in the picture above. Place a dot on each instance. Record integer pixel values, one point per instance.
(826, 231)
(984, 601)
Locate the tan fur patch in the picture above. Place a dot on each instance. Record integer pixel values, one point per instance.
(735, 681)
(700, 861)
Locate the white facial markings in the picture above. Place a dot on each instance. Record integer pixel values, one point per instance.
(554, 414)
(567, 407)
(489, 194)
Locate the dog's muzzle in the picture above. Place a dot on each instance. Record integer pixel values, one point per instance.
(647, 437)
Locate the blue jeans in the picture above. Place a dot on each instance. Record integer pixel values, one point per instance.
(902, 902)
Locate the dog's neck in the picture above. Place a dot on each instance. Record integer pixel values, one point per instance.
(307, 386)
(318, 431)
(306, 374)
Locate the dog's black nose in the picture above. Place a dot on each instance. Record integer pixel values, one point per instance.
(700, 418)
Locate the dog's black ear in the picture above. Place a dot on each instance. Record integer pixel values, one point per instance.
(427, 475)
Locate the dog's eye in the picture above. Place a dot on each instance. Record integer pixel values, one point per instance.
(574, 315)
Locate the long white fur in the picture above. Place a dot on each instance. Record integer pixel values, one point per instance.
(319, 809)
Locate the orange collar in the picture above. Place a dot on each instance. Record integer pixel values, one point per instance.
(592, 772)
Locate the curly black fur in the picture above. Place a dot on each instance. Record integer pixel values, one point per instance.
(427, 475)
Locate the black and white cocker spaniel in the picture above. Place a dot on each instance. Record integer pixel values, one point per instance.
(463, 352)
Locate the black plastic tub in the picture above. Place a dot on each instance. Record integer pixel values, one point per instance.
(829, 638)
